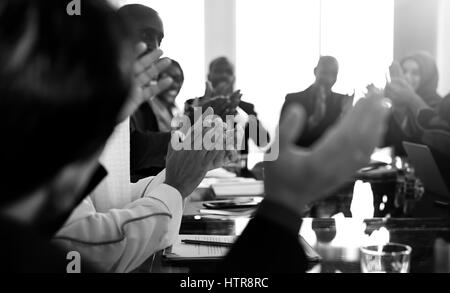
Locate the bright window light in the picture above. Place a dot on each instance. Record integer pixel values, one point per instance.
(277, 48)
(360, 34)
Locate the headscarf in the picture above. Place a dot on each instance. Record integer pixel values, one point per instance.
(429, 77)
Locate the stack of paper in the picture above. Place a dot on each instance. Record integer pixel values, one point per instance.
(243, 187)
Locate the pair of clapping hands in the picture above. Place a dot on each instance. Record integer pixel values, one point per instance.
(218, 99)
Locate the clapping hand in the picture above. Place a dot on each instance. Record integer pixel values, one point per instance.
(187, 166)
(300, 176)
(145, 86)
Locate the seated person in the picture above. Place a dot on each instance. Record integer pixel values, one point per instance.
(155, 116)
(221, 80)
(58, 106)
(323, 106)
(148, 148)
(413, 87)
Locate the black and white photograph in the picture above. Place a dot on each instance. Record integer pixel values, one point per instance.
(224, 145)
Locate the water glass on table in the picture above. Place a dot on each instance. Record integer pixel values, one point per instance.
(387, 258)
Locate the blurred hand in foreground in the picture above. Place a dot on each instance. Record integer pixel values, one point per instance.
(300, 176)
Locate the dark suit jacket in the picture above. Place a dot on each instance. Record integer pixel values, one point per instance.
(148, 146)
(307, 99)
(250, 110)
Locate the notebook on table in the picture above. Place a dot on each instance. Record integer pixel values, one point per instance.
(181, 251)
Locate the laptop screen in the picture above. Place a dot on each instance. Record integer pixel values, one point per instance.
(426, 169)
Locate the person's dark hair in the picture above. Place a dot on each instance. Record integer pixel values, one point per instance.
(327, 60)
(140, 16)
(219, 61)
(174, 63)
(63, 81)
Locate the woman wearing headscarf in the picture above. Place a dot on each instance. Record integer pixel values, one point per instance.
(413, 88)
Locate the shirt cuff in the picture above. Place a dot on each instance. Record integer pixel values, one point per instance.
(280, 215)
(168, 195)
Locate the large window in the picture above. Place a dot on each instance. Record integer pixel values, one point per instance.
(276, 50)
(278, 43)
(360, 34)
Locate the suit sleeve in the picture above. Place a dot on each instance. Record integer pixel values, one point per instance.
(261, 133)
(148, 149)
(269, 244)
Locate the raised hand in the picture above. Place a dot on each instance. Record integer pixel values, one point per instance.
(187, 166)
(300, 176)
(396, 71)
(401, 92)
(146, 69)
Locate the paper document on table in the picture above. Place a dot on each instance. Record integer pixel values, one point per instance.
(207, 182)
(232, 213)
(183, 251)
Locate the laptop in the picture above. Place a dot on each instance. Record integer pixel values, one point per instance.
(427, 170)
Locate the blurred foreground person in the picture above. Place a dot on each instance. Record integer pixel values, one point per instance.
(66, 82)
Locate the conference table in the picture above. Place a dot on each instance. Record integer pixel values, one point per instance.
(337, 239)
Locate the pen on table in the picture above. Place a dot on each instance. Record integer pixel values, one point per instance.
(202, 242)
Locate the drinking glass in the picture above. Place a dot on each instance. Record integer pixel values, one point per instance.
(387, 258)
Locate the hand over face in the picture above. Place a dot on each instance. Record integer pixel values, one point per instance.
(300, 176)
(146, 69)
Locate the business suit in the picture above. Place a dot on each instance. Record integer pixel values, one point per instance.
(269, 244)
(148, 146)
(307, 99)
